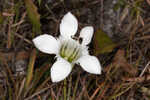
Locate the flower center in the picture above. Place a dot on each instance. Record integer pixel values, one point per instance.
(70, 50)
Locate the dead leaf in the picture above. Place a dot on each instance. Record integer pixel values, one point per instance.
(120, 61)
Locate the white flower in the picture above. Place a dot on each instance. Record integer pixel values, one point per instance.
(69, 50)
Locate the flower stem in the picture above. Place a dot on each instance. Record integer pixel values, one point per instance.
(65, 89)
(75, 88)
(69, 88)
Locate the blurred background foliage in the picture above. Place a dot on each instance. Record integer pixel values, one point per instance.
(121, 42)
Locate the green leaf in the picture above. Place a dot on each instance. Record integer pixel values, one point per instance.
(1, 18)
(29, 76)
(33, 15)
(102, 43)
(39, 2)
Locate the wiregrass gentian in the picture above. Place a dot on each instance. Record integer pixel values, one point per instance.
(69, 50)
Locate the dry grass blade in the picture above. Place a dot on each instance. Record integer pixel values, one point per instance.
(147, 65)
(20, 36)
(84, 92)
(21, 21)
(137, 79)
(21, 89)
(96, 91)
(39, 73)
(148, 1)
(37, 93)
(142, 38)
(141, 78)
(43, 84)
(121, 93)
(6, 67)
(10, 34)
(141, 20)
(101, 95)
(53, 96)
(124, 13)
(8, 14)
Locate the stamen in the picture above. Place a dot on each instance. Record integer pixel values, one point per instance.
(63, 48)
(70, 50)
(74, 53)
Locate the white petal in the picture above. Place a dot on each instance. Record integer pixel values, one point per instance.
(85, 50)
(90, 64)
(46, 43)
(68, 25)
(87, 34)
(60, 70)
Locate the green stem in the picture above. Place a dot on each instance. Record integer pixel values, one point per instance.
(65, 89)
(75, 88)
(69, 89)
